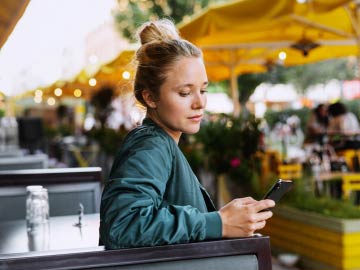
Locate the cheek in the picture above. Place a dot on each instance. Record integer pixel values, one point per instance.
(173, 106)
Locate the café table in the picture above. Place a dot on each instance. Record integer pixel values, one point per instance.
(349, 181)
(63, 234)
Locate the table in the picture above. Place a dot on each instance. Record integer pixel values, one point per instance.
(63, 235)
(350, 181)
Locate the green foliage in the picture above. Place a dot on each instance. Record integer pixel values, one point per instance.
(108, 139)
(305, 200)
(192, 151)
(133, 13)
(272, 117)
(218, 87)
(59, 131)
(228, 145)
(303, 76)
(247, 84)
(101, 100)
(2, 113)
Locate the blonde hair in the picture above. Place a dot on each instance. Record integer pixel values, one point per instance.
(161, 47)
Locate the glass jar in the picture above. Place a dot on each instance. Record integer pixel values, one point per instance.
(37, 206)
(37, 218)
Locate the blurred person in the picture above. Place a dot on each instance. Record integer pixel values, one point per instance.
(343, 127)
(152, 196)
(317, 124)
(342, 121)
(296, 137)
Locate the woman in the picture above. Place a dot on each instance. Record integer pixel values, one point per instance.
(342, 121)
(152, 196)
(317, 124)
(343, 128)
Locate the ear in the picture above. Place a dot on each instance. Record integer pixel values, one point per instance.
(149, 99)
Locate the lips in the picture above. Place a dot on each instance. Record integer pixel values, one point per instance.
(196, 117)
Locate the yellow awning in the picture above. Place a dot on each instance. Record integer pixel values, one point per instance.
(246, 35)
(110, 74)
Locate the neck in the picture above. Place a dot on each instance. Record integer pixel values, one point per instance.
(173, 134)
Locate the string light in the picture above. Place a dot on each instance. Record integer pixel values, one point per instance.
(77, 93)
(38, 93)
(126, 75)
(38, 99)
(51, 101)
(58, 92)
(282, 55)
(92, 82)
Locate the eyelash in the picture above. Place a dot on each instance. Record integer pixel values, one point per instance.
(202, 91)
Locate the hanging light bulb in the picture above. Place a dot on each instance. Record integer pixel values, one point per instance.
(92, 82)
(58, 92)
(51, 101)
(126, 75)
(77, 93)
(282, 55)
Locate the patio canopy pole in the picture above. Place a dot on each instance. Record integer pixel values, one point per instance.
(234, 91)
(355, 22)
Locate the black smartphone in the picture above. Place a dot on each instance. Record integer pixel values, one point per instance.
(278, 189)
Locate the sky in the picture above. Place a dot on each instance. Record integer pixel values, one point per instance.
(55, 40)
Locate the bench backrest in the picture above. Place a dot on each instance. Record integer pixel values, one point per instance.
(243, 253)
(67, 188)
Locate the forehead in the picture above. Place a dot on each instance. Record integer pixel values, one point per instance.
(187, 68)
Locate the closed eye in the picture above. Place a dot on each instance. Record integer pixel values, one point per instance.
(183, 94)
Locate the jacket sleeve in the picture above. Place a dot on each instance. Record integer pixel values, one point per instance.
(131, 212)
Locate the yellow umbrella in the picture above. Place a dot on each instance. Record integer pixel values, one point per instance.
(117, 74)
(245, 35)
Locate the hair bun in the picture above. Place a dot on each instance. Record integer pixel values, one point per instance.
(159, 30)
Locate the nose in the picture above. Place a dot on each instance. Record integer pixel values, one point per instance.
(199, 101)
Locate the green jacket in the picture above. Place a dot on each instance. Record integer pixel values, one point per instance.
(153, 197)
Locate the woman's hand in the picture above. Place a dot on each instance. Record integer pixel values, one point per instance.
(242, 217)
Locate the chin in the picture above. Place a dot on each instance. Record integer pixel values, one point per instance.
(192, 130)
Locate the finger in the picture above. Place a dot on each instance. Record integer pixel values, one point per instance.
(261, 216)
(260, 225)
(246, 200)
(263, 204)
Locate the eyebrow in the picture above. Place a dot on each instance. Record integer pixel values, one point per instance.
(206, 83)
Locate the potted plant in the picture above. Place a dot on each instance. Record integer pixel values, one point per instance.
(324, 231)
(228, 145)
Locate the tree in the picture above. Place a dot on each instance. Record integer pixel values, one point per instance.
(305, 75)
(246, 85)
(301, 76)
(132, 13)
